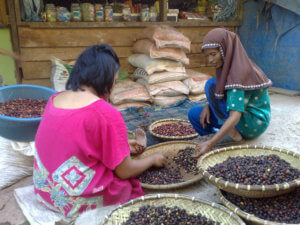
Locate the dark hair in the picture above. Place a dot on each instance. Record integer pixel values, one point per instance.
(95, 67)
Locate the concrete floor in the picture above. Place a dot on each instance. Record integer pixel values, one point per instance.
(283, 132)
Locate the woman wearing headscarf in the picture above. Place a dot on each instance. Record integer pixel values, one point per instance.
(238, 101)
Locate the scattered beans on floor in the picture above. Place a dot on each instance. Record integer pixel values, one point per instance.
(151, 215)
(255, 170)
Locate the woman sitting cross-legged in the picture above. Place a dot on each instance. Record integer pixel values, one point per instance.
(238, 100)
(83, 156)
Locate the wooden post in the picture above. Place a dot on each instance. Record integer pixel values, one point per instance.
(163, 8)
(14, 36)
(3, 13)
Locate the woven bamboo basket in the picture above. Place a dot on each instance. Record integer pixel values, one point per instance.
(249, 191)
(167, 121)
(211, 211)
(245, 215)
(170, 149)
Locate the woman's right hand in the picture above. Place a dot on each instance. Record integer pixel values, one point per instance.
(205, 116)
(158, 160)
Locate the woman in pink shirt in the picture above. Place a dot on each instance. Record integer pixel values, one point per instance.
(83, 157)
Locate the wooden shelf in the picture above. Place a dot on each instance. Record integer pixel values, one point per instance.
(181, 23)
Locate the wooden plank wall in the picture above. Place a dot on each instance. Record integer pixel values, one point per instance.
(38, 45)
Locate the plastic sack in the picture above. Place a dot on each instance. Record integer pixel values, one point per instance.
(126, 91)
(171, 88)
(196, 82)
(155, 65)
(30, 10)
(165, 36)
(158, 77)
(166, 101)
(60, 73)
(16, 161)
(147, 47)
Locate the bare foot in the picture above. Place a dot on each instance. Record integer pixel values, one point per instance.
(235, 135)
(140, 137)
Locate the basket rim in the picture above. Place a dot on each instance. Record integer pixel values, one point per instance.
(245, 215)
(176, 196)
(170, 137)
(177, 185)
(238, 186)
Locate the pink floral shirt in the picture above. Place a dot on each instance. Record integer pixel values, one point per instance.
(77, 152)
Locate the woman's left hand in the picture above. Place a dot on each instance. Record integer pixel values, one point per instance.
(202, 148)
(135, 147)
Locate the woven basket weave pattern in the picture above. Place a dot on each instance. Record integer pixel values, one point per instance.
(211, 211)
(250, 191)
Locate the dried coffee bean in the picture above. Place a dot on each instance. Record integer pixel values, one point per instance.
(260, 170)
(184, 160)
(151, 215)
(281, 209)
(23, 108)
(165, 175)
(174, 129)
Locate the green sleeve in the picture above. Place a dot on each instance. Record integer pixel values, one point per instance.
(235, 100)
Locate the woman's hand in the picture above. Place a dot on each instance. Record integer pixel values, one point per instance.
(135, 147)
(205, 116)
(202, 148)
(158, 160)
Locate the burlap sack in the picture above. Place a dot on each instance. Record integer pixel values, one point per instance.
(171, 88)
(165, 36)
(197, 98)
(131, 104)
(155, 65)
(158, 77)
(128, 91)
(147, 47)
(166, 101)
(196, 82)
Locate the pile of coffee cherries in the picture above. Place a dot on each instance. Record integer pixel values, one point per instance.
(171, 174)
(184, 160)
(165, 215)
(23, 108)
(161, 176)
(174, 129)
(280, 209)
(259, 170)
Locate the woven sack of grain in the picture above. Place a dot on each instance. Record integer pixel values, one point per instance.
(128, 91)
(147, 47)
(165, 36)
(155, 65)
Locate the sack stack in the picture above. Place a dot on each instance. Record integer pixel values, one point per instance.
(160, 58)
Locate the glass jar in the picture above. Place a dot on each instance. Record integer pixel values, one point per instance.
(153, 14)
(76, 12)
(144, 14)
(99, 13)
(87, 10)
(126, 13)
(50, 13)
(109, 13)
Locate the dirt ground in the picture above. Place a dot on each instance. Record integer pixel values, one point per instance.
(283, 132)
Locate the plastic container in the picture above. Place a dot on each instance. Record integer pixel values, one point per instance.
(118, 17)
(76, 12)
(21, 129)
(99, 13)
(144, 14)
(88, 12)
(50, 13)
(126, 13)
(109, 13)
(152, 14)
(135, 17)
